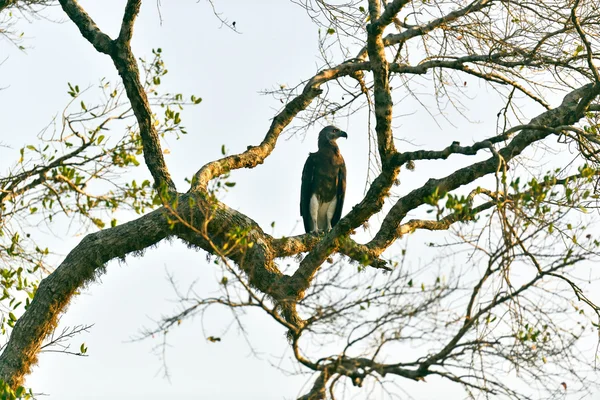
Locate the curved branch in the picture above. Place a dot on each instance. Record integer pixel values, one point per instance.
(256, 155)
(420, 30)
(81, 266)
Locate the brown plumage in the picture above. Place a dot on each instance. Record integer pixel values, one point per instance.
(323, 183)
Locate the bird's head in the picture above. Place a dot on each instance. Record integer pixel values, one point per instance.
(330, 134)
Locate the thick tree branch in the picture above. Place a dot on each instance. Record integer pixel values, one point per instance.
(318, 392)
(126, 64)
(388, 15)
(565, 114)
(80, 267)
(381, 81)
(196, 218)
(132, 9)
(289, 246)
(88, 28)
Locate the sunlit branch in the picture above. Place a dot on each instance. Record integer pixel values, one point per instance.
(256, 155)
(122, 56)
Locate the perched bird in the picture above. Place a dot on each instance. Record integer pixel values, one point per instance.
(323, 183)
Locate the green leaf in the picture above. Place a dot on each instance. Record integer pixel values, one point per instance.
(330, 31)
(98, 222)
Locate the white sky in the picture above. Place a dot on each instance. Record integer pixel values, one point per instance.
(278, 46)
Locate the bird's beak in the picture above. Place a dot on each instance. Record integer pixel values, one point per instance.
(343, 134)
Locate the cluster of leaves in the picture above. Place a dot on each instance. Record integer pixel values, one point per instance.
(6, 393)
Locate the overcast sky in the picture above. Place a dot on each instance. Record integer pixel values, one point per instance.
(278, 45)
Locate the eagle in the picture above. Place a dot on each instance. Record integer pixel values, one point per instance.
(323, 183)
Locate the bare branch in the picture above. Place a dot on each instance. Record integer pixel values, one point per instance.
(586, 42)
(132, 10)
(88, 28)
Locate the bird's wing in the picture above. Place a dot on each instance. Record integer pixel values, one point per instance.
(306, 192)
(340, 194)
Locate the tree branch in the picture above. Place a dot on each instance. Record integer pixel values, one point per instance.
(289, 246)
(132, 10)
(388, 15)
(381, 81)
(318, 392)
(565, 114)
(81, 266)
(397, 38)
(586, 42)
(256, 155)
(123, 58)
(88, 28)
